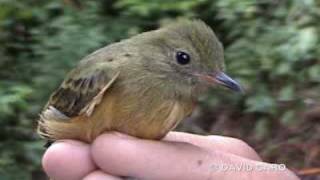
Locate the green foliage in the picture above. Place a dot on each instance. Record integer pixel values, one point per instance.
(271, 47)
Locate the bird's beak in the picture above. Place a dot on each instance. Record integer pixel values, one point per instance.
(222, 79)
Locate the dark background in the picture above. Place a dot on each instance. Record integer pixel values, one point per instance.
(271, 46)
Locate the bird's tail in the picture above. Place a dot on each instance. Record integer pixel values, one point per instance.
(54, 125)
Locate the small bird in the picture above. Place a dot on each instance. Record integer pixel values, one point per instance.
(142, 86)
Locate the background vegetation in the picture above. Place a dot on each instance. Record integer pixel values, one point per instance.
(271, 47)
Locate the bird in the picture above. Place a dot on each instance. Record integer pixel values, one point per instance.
(142, 86)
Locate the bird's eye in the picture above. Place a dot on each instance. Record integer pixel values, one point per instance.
(182, 58)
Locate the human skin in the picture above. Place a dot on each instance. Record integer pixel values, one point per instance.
(178, 156)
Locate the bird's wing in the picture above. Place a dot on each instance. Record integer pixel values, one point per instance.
(80, 92)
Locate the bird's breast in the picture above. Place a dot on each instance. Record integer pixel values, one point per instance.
(145, 113)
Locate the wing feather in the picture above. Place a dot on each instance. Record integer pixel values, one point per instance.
(77, 92)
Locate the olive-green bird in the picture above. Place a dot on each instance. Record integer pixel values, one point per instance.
(142, 86)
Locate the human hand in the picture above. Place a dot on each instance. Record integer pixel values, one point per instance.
(178, 156)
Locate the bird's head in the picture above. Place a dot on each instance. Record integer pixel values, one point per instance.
(187, 54)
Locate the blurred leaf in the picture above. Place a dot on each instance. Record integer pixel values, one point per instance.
(261, 103)
(286, 93)
(288, 118)
(262, 129)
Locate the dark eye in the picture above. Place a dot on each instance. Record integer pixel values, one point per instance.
(182, 58)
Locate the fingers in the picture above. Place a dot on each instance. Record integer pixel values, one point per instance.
(193, 158)
(158, 160)
(68, 160)
(215, 143)
(99, 175)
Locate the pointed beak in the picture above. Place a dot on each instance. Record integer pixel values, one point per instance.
(224, 80)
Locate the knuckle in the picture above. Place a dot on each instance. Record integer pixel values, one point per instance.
(240, 143)
(240, 147)
(245, 150)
